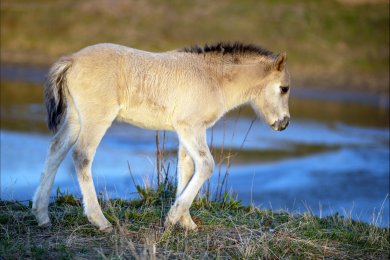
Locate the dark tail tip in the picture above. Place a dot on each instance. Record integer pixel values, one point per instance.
(54, 93)
(55, 111)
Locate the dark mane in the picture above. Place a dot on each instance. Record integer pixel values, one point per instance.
(228, 48)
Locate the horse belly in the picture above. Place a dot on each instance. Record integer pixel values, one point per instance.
(145, 117)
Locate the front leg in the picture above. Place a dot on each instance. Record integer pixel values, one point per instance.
(194, 141)
(185, 171)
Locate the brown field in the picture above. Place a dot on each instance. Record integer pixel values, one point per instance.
(331, 44)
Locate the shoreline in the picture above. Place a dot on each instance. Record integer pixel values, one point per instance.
(227, 229)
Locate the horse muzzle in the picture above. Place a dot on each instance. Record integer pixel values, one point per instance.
(280, 125)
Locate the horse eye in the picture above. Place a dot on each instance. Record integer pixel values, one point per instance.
(284, 89)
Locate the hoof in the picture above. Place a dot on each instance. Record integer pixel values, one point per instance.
(187, 223)
(107, 229)
(168, 224)
(189, 227)
(42, 217)
(44, 225)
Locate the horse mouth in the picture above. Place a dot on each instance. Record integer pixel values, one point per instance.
(280, 125)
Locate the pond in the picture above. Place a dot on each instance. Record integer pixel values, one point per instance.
(334, 156)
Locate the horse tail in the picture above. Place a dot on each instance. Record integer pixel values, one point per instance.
(54, 92)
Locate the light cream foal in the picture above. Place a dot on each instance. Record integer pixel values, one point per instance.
(185, 90)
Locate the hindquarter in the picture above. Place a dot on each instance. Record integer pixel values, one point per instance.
(95, 80)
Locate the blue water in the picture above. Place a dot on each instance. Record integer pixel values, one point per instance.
(334, 156)
(350, 175)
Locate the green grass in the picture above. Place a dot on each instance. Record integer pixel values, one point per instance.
(330, 43)
(227, 229)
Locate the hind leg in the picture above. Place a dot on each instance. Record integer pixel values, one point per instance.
(93, 128)
(60, 144)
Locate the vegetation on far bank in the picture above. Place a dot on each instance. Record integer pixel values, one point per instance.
(342, 43)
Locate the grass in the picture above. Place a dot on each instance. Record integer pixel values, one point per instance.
(227, 230)
(330, 43)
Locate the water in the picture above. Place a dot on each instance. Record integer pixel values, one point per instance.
(334, 156)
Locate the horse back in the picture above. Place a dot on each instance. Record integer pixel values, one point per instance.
(153, 90)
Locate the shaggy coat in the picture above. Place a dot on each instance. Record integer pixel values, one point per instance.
(184, 90)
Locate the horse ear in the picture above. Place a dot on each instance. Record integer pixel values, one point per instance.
(280, 61)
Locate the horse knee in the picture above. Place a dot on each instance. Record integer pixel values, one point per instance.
(207, 166)
(54, 144)
(80, 158)
(58, 140)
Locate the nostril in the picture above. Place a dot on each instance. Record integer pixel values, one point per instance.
(285, 122)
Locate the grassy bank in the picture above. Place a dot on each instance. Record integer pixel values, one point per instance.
(337, 44)
(226, 229)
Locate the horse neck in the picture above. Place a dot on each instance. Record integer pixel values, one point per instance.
(239, 81)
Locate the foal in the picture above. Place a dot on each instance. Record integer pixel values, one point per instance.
(184, 90)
